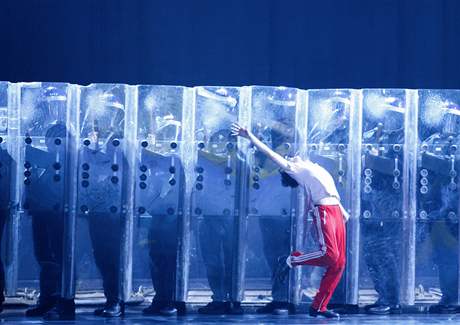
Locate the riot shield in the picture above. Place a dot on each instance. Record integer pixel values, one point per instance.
(271, 207)
(384, 184)
(329, 144)
(8, 217)
(43, 159)
(5, 157)
(159, 192)
(102, 171)
(214, 201)
(438, 163)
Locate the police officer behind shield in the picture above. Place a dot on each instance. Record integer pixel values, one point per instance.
(5, 183)
(381, 225)
(44, 200)
(160, 194)
(216, 228)
(47, 221)
(439, 202)
(100, 195)
(274, 221)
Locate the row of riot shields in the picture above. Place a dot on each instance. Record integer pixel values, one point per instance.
(141, 191)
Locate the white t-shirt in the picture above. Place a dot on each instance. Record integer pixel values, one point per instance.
(316, 180)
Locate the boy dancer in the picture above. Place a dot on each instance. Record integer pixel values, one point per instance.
(329, 219)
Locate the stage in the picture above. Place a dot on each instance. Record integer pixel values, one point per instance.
(134, 316)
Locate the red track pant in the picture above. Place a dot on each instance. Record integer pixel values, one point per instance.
(330, 225)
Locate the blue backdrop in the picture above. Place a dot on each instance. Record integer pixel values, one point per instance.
(301, 43)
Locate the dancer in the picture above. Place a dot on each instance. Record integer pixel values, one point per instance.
(329, 219)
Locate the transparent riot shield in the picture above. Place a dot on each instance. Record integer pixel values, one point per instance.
(329, 144)
(438, 163)
(8, 239)
(5, 157)
(383, 193)
(43, 158)
(159, 193)
(102, 170)
(271, 207)
(214, 201)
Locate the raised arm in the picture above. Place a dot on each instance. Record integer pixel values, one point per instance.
(238, 130)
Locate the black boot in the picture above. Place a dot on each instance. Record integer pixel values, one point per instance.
(64, 310)
(283, 308)
(2, 298)
(235, 308)
(378, 310)
(163, 308)
(99, 311)
(181, 308)
(168, 310)
(383, 309)
(268, 308)
(114, 309)
(325, 314)
(276, 308)
(42, 307)
(345, 309)
(443, 309)
(154, 308)
(215, 308)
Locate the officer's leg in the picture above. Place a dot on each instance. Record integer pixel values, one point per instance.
(226, 229)
(227, 226)
(42, 226)
(266, 231)
(105, 236)
(157, 260)
(211, 250)
(65, 308)
(170, 246)
(448, 274)
(385, 267)
(163, 250)
(276, 240)
(372, 246)
(211, 238)
(392, 259)
(280, 245)
(3, 217)
(445, 254)
(56, 229)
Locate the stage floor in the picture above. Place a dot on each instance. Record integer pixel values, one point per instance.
(133, 316)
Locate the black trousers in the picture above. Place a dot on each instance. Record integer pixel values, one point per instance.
(105, 233)
(382, 245)
(216, 239)
(47, 230)
(444, 238)
(163, 254)
(3, 217)
(276, 237)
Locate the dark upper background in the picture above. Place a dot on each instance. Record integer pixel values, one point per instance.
(300, 43)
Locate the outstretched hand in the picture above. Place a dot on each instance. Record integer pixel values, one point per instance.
(238, 130)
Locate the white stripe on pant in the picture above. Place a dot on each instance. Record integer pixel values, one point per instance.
(322, 244)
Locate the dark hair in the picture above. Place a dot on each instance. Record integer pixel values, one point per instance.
(287, 180)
